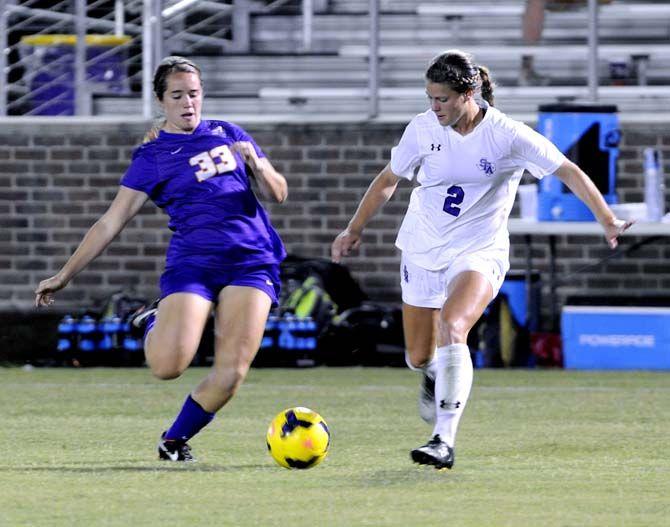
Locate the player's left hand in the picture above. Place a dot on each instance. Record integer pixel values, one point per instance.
(614, 229)
(246, 150)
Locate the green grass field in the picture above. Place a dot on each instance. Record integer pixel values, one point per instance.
(536, 448)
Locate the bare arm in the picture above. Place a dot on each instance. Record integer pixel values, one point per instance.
(271, 183)
(580, 184)
(379, 192)
(126, 204)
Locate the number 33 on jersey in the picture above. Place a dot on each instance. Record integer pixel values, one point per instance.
(213, 162)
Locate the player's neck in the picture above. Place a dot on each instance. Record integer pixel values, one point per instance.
(472, 117)
(174, 129)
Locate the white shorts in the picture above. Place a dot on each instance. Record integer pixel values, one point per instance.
(423, 288)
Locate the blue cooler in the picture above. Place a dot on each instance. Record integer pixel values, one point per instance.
(524, 302)
(616, 337)
(589, 136)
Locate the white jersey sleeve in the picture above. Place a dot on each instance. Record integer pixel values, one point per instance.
(405, 157)
(535, 153)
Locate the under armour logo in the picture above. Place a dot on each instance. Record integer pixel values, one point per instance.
(405, 273)
(446, 405)
(435, 147)
(488, 167)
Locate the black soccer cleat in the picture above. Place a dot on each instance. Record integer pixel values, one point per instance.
(436, 453)
(174, 450)
(427, 399)
(138, 320)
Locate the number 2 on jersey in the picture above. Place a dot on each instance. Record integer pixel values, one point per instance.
(455, 195)
(217, 161)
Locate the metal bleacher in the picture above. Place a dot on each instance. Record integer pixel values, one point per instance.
(411, 33)
(279, 79)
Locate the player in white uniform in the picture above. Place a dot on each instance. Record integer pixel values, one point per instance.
(468, 159)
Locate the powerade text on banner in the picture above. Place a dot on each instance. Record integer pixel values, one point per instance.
(589, 136)
(616, 337)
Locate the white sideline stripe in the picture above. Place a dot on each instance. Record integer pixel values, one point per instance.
(496, 389)
(624, 310)
(373, 387)
(37, 384)
(558, 389)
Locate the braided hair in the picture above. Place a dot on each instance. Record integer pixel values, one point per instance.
(457, 69)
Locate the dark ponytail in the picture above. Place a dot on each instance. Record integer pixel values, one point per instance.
(457, 70)
(487, 84)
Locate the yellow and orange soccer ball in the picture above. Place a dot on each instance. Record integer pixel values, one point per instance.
(298, 438)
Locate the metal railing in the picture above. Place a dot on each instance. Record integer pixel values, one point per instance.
(59, 65)
(307, 14)
(139, 33)
(374, 56)
(54, 71)
(51, 69)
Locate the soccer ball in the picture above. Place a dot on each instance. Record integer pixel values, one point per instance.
(298, 438)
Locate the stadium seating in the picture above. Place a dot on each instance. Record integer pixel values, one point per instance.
(280, 78)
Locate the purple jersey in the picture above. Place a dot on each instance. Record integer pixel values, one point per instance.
(204, 188)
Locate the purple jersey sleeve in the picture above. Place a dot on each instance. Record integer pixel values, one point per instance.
(142, 173)
(239, 134)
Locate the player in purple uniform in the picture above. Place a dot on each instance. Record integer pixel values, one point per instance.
(224, 252)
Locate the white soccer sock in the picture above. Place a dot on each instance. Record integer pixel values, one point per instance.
(452, 389)
(429, 369)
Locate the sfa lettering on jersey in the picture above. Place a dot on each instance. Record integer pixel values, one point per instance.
(215, 161)
(486, 166)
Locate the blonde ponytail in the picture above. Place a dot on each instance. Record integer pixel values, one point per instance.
(152, 134)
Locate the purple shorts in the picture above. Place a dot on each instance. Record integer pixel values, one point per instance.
(208, 283)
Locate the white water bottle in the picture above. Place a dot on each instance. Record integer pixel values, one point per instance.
(654, 186)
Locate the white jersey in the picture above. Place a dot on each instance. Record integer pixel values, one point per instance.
(466, 185)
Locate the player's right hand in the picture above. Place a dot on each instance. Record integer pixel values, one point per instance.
(343, 244)
(44, 291)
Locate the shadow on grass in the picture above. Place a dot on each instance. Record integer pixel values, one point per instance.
(163, 467)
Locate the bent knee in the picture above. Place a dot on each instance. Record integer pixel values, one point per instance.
(418, 358)
(168, 362)
(454, 329)
(166, 372)
(166, 367)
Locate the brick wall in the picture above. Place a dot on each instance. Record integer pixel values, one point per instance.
(56, 179)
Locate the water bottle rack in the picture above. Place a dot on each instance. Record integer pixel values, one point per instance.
(289, 332)
(289, 340)
(87, 340)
